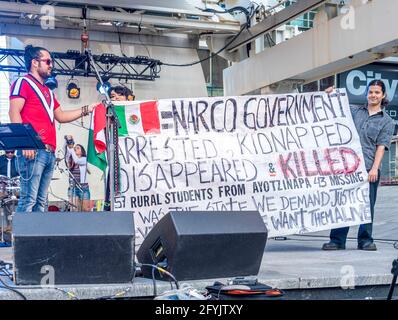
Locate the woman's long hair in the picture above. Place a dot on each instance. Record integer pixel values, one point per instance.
(71, 163)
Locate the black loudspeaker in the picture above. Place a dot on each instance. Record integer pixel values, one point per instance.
(204, 245)
(73, 247)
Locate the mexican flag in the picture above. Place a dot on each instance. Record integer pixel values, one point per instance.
(96, 150)
(140, 118)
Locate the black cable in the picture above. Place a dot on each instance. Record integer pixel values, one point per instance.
(171, 276)
(120, 42)
(155, 292)
(348, 238)
(161, 270)
(351, 239)
(139, 37)
(210, 56)
(121, 292)
(7, 287)
(248, 14)
(16, 288)
(238, 8)
(388, 241)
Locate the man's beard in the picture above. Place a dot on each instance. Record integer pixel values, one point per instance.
(44, 75)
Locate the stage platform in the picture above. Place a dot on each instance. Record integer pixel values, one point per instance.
(297, 265)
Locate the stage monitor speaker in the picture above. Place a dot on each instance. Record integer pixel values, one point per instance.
(73, 248)
(204, 245)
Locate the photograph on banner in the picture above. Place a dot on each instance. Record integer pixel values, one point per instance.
(296, 158)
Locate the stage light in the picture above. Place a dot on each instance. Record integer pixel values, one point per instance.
(51, 82)
(72, 89)
(104, 88)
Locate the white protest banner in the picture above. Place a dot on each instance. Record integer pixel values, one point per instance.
(294, 157)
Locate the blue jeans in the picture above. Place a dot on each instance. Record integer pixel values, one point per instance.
(339, 236)
(36, 176)
(83, 194)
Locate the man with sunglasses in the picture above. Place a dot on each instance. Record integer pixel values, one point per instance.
(31, 101)
(7, 164)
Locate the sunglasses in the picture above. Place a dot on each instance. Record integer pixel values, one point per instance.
(47, 61)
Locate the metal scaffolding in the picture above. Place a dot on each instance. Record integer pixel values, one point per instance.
(74, 63)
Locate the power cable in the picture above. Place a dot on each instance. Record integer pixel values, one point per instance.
(348, 238)
(5, 286)
(161, 270)
(238, 8)
(248, 14)
(5, 272)
(139, 37)
(120, 42)
(17, 289)
(210, 56)
(120, 293)
(154, 282)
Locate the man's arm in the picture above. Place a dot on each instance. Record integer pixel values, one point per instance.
(71, 115)
(373, 173)
(16, 106)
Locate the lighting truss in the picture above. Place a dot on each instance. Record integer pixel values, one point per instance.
(74, 63)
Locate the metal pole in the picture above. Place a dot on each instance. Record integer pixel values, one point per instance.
(2, 225)
(111, 119)
(111, 159)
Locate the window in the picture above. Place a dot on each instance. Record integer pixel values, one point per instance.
(303, 22)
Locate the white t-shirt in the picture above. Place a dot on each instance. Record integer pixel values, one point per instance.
(81, 162)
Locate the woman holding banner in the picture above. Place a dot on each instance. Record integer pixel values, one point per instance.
(121, 93)
(375, 129)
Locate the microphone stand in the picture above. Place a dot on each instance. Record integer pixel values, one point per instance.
(111, 121)
(3, 217)
(2, 226)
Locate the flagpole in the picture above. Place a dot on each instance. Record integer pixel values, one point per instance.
(111, 120)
